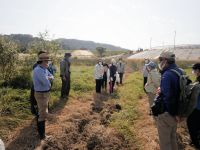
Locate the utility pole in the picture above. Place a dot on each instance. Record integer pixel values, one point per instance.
(150, 42)
(174, 39)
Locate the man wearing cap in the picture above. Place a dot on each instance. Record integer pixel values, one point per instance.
(153, 82)
(65, 75)
(120, 69)
(169, 93)
(42, 86)
(193, 121)
(34, 108)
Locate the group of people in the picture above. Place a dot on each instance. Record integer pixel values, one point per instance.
(43, 76)
(108, 74)
(165, 84)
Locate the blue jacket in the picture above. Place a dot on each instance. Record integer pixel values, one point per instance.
(170, 89)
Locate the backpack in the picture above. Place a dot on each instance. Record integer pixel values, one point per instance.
(188, 95)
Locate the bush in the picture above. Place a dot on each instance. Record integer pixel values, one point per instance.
(22, 81)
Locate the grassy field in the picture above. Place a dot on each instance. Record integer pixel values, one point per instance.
(15, 106)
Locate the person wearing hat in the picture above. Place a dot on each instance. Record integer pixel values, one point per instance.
(145, 72)
(193, 121)
(169, 93)
(65, 75)
(42, 87)
(33, 102)
(98, 75)
(153, 82)
(120, 69)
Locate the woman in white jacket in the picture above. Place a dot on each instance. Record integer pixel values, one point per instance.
(153, 82)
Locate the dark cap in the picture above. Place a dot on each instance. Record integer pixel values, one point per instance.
(67, 55)
(196, 66)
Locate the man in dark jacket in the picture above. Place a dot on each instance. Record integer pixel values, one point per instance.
(169, 90)
(65, 75)
(193, 121)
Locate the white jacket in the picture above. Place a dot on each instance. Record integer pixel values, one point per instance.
(98, 71)
(153, 81)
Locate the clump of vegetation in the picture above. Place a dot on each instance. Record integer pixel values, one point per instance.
(8, 59)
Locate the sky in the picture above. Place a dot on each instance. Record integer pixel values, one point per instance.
(130, 24)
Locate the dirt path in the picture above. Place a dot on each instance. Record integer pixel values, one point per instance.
(146, 132)
(79, 126)
(82, 125)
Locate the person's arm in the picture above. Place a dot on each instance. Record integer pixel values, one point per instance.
(165, 89)
(62, 68)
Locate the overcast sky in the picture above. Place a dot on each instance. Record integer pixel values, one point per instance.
(126, 23)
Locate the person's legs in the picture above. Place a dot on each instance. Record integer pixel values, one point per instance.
(121, 77)
(144, 82)
(42, 100)
(98, 85)
(113, 84)
(105, 82)
(193, 123)
(67, 85)
(63, 88)
(167, 126)
(33, 102)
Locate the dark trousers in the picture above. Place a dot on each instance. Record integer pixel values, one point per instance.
(112, 84)
(193, 123)
(65, 86)
(104, 82)
(120, 77)
(145, 81)
(33, 102)
(98, 85)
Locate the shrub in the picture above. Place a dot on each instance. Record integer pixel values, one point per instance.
(22, 81)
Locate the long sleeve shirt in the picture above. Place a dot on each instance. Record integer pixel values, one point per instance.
(64, 67)
(98, 71)
(41, 79)
(120, 67)
(153, 81)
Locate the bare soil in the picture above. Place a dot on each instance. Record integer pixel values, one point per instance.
(80, 125)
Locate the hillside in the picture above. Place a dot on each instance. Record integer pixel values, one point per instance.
(67, 44)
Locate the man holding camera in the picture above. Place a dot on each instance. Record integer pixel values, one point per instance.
(169, 93)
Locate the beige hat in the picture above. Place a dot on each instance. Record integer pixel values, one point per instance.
(44, 57)
(168, 55)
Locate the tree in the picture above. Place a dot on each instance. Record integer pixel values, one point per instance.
(100, 51)
(8, 58)
(43, 43)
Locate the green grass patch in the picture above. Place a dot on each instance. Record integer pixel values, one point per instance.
(129, 95)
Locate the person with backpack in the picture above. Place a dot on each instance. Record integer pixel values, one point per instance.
(169, 95)
(120, 69)
(193, 121)
(153, 82)
(65, 75)
(42, 87)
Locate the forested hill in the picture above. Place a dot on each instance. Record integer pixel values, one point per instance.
(24, 40)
